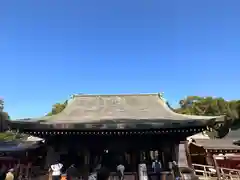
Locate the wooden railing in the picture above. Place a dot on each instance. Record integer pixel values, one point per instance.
(209, 172)
(232, 174)
(204, 170)
(127, 176)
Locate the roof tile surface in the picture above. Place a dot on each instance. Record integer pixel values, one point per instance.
(91, 108)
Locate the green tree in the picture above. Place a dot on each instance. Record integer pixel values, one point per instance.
(209, 106)
(57, 108)
(4, 117)
(4, 134)
(1, 105)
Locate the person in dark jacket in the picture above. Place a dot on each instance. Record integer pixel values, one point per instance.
(3, 172)
(157, 168)
(103, 174)
(176, 171)
(72, 172)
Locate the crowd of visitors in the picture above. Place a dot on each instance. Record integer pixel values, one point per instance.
(101, 172)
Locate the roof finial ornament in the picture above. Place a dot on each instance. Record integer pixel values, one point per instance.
(72, 96)
(160, 95)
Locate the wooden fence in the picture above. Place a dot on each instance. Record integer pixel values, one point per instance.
(206, 172)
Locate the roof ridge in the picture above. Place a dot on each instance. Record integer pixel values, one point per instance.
(102, 95)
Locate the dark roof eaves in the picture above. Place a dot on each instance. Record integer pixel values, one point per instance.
(119, 120)
(104, 126)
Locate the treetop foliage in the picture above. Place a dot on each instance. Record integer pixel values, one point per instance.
(3, 115)
(57, 108)
(210, 106)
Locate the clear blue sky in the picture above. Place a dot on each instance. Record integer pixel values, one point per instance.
(50, 49)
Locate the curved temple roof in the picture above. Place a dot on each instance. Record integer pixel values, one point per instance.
(14, 146)
(12, 142)
(123, 111)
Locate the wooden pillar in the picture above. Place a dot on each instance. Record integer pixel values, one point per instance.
(86, 156)
(148, 156)
(216, 167)
(133, 161)
(138, 158)
(189, 159)
(162, 154)
(181, 154)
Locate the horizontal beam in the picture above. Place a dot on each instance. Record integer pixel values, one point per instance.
(115, 133)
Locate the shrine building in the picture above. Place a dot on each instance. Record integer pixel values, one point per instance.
(135, 127)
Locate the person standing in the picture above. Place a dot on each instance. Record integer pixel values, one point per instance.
(3, 172)
(120, 171)
(142, 170)
(176, 171)
(72, 172)
(9, 175)
(157, 168)
(103, 174)
(56, 171)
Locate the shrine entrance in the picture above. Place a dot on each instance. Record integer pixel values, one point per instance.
(110, 151)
